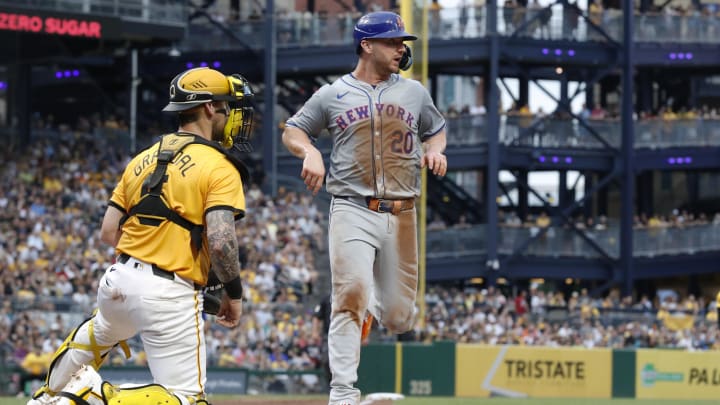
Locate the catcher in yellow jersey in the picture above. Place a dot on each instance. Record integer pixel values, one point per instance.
(171, 216)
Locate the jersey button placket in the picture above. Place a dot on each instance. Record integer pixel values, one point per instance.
(378, 177)
(377, 148)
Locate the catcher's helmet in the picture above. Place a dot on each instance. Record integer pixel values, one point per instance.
(198, 86)
(380, 24)
(195, 87)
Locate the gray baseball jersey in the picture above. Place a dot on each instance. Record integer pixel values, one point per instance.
(376, 132)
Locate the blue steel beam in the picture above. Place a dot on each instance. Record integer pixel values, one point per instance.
(466, 158)
(524, 267)
(493, 144)
(628, 145)
(596, 161)
(474, 157)
(701, 158)
(270, 136)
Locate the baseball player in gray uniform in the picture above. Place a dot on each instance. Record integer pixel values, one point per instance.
(384, 129)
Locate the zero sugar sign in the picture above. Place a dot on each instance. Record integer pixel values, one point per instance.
(66, 25)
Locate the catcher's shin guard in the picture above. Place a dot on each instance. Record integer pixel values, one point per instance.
(82, 389)
(150, 394)
(99, 353)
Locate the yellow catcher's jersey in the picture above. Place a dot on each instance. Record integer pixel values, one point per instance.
(199, 179)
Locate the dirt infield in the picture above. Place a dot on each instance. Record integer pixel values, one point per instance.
(268, 401)
(276, 401)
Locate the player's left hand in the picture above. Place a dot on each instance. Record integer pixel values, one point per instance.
(229, 313)
(436, 162)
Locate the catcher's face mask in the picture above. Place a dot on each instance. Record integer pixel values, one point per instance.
(198, 86)
(240, 118)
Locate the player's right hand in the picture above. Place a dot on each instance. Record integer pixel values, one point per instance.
(313, 170)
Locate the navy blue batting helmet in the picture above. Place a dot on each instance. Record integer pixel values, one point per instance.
(380, 24)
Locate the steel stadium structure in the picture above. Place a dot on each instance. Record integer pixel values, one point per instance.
(626, 61)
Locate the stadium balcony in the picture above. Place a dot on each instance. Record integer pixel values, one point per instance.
(659, 144)
(310, 30)
(559, 252)
(469, 131)
(155, 11)
(318, 45)
(467, 138)
(558, 242)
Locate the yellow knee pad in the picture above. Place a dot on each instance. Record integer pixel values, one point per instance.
(93, 347)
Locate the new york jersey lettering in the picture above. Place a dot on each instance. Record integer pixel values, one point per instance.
(362, 113)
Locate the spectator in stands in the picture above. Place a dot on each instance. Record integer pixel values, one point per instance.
(463, 9)
(595, 14)
(462, 222)
(51, 343)
(320, 327)
(34, 366)
(521, 304)
(479, 12)
(7, 350)
(508, 12)
(436, 224)
(435, 19)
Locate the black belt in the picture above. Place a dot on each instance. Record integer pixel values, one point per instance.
(382, 204)
(157, 271)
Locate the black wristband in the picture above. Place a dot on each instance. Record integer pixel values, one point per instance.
(234, 288)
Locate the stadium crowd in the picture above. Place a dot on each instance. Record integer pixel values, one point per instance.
(52, 198)
(547, 317)
(53, 195)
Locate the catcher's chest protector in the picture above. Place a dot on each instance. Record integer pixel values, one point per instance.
(152, 209)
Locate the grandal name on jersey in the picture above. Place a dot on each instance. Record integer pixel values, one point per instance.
(182, 160)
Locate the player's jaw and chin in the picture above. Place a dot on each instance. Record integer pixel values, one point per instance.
(219, 119)
(387, 58)
(388, 66)
(395, 66)
(395, 63)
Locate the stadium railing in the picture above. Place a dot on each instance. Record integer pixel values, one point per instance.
(299, 29)
(559, 133)
(469, 130)
(156, 11)
(564, 242)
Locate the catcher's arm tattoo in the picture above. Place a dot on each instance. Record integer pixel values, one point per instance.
(222, 244)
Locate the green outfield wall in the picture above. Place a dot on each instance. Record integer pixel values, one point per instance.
(623, 376)
(411, 368)
(464, 370)
(377, 368)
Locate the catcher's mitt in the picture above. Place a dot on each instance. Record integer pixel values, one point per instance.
(211, 303)
(212, 294)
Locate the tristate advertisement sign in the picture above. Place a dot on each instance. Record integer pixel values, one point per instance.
(513, 371)
(677, 374)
